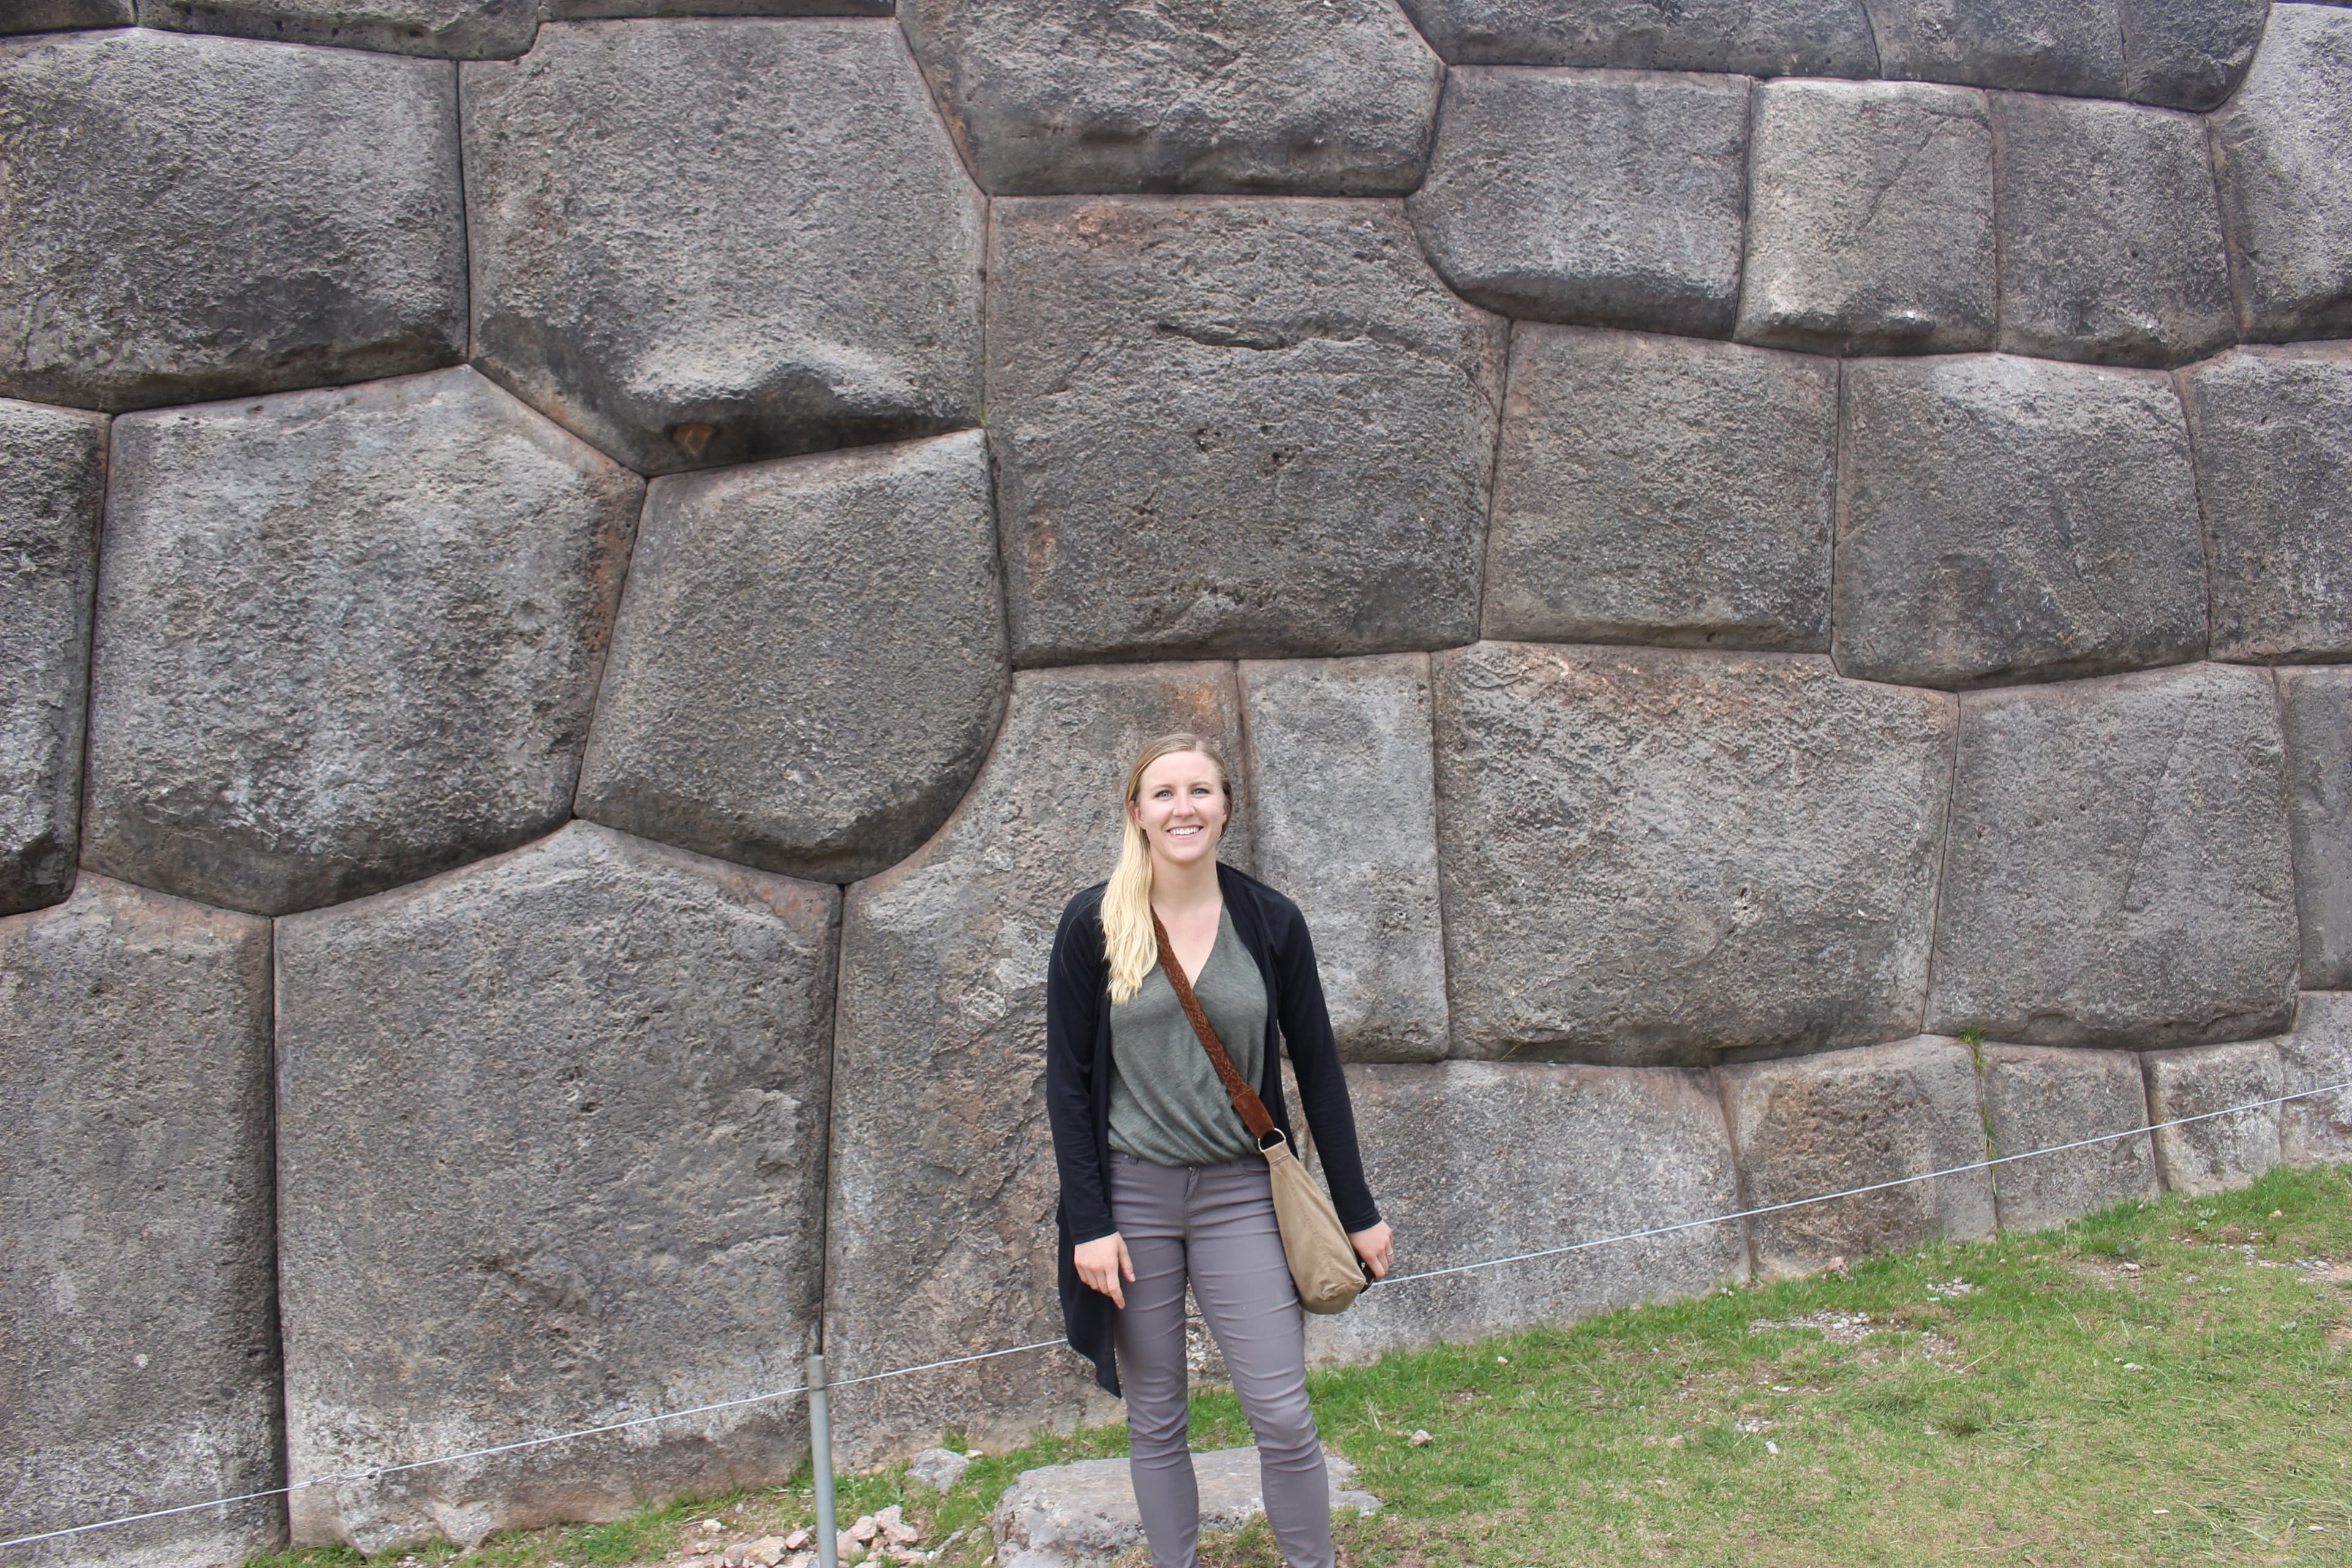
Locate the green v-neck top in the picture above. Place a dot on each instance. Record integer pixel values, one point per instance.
(1167, 1104)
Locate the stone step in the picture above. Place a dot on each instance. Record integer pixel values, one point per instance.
(1083, 1515)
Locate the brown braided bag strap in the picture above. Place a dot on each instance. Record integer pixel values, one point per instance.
(1244, 1098)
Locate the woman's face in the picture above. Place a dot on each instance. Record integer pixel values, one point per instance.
(1180, 807)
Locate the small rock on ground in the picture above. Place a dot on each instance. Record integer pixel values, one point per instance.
(1083, 1515)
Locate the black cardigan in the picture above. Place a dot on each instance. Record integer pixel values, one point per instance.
(1077, 1080)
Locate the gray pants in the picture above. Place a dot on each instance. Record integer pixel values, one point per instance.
(1216, 1223)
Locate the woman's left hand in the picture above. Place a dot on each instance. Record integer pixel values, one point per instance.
(1375, 1247)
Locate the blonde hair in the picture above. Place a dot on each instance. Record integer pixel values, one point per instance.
(1126, 900)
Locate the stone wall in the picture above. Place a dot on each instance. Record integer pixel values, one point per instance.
(580, 573)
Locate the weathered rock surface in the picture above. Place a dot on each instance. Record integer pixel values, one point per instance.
(690, 267)
(1225, 426)
(2316, 711)
(2118, 872)
(204, 218)
(1564, 1155)
(1083, 1514)
(940, 1234)
(2004, 519)
(54, 463)
(1071, 97)
(1828, 1123)
(2286, 186)
(1346, 810)
(345, 638)
(1652, 856)
(1603, 197)
(582, 10)
(1662, 489)
(2221, 1152)
(2039, 1097)
(136, 1253)
(2110, 233)
(809, 660)
(1774, 37)
(2186, 54)
(938, 1469)
(2189, 54)
(2317, 1130)
(456, 29)
(58, 15)
(1870, 219)
(2274, 437)
(550, 1153)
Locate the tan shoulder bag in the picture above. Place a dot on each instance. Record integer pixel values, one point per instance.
(1323, 1262)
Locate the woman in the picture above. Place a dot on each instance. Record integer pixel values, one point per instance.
(1161, 1181)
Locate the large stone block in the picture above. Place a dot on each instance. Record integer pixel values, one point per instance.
(1773, 38)
(586, 10)
(940, 1235)
(2315, 711)
(2186, 54)
(345, 638)
(2110, 233)
(700, 242)
(1345, 813)
(1070, 96)
(810, 659)
(2218, 1152)
(2286, 186)
(206, 217)
(59, 15)
(2274, 437)
(2118, 871)
(52, 483)
(1605, 197)
(1563, 1155)
(1826, 1124)
(550, 1153)
(2317, 1128)
(456, 29)
(1662, 489)
(2039, 1097)
(1655, 857)
(1869, 220)
(2189, 54)
(2005, 520)
(1225, 426)
(136, 1253)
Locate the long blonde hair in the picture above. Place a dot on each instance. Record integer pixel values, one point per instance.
(1126, 901)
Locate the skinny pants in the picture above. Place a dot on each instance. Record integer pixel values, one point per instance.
(1214, 1223)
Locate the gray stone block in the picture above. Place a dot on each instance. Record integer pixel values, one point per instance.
(940, 1234)
(1604, 197)
(52, 483)
(1346, 815)
(1759, 38)
(62, 16)
(2219, 1152)
(346, 638)
(136, 1253)
(1869, 220)
(1655, 857)
(2039, 1097)
(1225, 426)
(2317, 1130)
(809, 662)
(2032, 46)
(1826, 1124)
(2117, 872)
(451, 29)
(2110, 233)
(2285, 184)
(593, 10)
(1070, 96)
(690, 267)
(2189, 54)
(550, 1153)
(1083, 1514)
(2004, 519)
(1563, 1155)
(208, 217)
(2274, 435)
(1662, 489)
(2316, 711)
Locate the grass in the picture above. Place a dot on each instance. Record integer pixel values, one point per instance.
(2160, 1383)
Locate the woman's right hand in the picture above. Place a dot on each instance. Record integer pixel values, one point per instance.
(1103, 1263)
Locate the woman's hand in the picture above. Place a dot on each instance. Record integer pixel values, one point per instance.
(1373, 1246)
(1103, 1263)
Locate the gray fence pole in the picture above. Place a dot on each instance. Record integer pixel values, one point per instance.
(828, 1543)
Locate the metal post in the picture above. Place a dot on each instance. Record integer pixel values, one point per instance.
(828, 1543)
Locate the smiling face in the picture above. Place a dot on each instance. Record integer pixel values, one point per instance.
(1180, 803)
